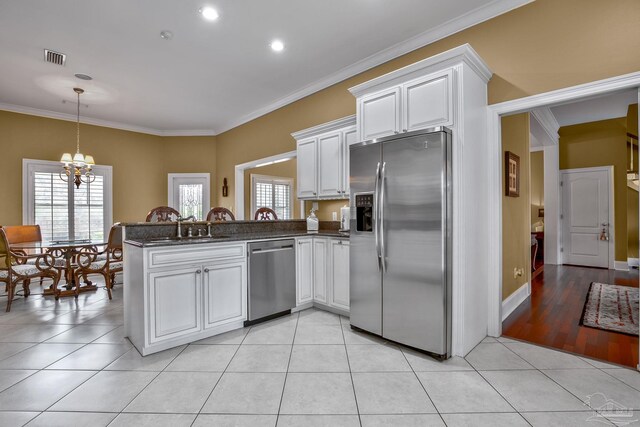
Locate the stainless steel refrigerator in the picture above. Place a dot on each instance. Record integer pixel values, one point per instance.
(400, 244)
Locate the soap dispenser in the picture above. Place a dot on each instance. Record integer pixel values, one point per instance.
(312, 223)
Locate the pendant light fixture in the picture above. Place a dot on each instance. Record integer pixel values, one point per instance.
(79, 165)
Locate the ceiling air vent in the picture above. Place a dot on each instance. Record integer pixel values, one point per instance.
(54, 57)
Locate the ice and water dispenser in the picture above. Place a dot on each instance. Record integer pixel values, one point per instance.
(364, 212)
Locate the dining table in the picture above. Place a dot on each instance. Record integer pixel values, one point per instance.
(65, 253)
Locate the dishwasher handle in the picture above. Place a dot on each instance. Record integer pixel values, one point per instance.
(265, 251)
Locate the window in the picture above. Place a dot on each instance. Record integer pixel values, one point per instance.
(189, 194)
(272, 192)
(61, 210)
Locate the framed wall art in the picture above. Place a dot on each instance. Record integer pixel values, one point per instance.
(512, 174)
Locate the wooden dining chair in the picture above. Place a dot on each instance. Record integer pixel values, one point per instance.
(162, 214)
(23, 234)
(265, 214)
(220, 214)
(106, 263)
(15, 267)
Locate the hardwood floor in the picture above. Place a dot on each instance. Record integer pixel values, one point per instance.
(551, 316)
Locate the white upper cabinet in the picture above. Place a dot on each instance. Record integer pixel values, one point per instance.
(418, 104)
(307, 176)
(350, 138)
(380, 114)
(330, 159)
(323, 159)
(428, 102)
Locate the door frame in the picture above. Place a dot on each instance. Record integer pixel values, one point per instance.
(494, 170)
(239, 179)
(612, 213)
(206, 191)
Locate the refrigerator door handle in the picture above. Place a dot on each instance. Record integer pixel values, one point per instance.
(381, 204)
(375, 214)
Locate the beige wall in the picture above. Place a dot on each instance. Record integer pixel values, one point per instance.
(632, 195)
(140, 162)
(545, 45)
(191, 154)
(326, 208)
(286, 169)
(516, 231)
(537, 185)
(139, 182)
(596, 144)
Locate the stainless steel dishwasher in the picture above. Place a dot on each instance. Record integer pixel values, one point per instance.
(272, 279)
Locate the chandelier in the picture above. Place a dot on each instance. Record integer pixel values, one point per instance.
(79, 165)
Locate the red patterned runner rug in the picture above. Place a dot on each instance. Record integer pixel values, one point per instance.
(611, 308)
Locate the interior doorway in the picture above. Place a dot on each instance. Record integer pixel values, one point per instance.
(561, 291)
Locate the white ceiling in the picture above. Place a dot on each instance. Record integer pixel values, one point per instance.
(211, 76)
(592, 110)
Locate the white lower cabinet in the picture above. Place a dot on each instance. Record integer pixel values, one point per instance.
(339, 274)
(175, 303)
(304, 270)
(320, 270)
(322, 266)
(225, 297)
(199, 291)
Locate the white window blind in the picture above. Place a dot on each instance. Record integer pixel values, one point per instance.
(274, 193)
(62, 210)
(51, 205)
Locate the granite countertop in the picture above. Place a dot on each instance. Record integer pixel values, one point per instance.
(276, 234)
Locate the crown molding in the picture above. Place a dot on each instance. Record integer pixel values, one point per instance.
(544, 116)
(464, 53)
(325, 127)
(474, 17)
(103, 123)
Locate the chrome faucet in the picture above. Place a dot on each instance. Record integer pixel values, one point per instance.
(180, 220)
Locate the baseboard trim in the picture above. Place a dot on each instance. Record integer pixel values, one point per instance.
(621, 265)
(633, 262)
(514, 300)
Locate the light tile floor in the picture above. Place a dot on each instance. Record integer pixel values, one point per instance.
(68, 364)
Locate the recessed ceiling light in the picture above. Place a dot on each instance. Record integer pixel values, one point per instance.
(209, 13)
(166, 34)
(277, 46)
(83, 76)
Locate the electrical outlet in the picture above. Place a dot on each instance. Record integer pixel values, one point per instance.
(517, 272)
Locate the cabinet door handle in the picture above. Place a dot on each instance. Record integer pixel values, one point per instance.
(206, 270)
(198, 271)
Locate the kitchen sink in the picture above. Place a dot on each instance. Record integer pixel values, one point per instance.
(187, 239)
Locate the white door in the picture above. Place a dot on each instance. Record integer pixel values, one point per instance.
(428, 102)
(339, 274)
(330, 151)
(225, 294)
(304, 271)
(175, 303)
(379, 114)
(307, 176)
(320, 270)
(189, 194)
(586, 217)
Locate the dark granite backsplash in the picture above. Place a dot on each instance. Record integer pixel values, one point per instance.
(147, 230)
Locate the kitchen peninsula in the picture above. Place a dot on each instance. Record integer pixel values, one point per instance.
(180, 290)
